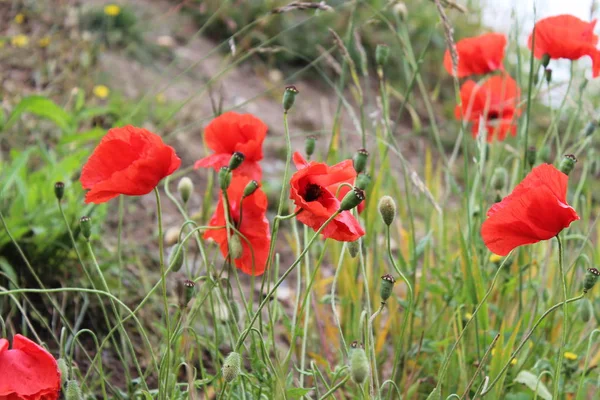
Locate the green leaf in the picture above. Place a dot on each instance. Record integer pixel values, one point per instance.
(42, 107)
(297, 393)
(532, 381)
(435, 394)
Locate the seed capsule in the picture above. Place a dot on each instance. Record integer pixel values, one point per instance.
(590, 279)
(289, 97)
(250, 188)
(387, 287)
(86, 227)
(352, 199)
(237, 158)
(309, 145)
(567, 164)
(359, 364)
(363, 181)
(359, 160)
(59, 190)
(232, 366)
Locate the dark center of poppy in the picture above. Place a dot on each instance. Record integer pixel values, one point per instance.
(493, 115)
(313, 192)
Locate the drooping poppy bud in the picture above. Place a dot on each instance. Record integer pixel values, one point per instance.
(382, 54)
(499, 178)
(359, 364)
(353, 248)
(73, 391)
(289, 97)
(59, 190)
(387, 286)
(387, 209)
(64, 370)
(176, 258)
(250, 188)
(585, 310)
(548, 75)
(352, 199)
(531, 156)
(237, 158)
(232, 366)
(363, 181)
(590, 279)
(86, 227)
(545, 60)
(359, 160)
(589, 129)
(309, 145)
(224, 178)
(185, 187)
(235, 246)
(567, 164)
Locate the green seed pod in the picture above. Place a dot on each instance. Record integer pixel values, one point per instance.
(237, 158)
(73, 391)
(359, 364)
(64, 370)
(185, 187)
(235, 246)
(387, 287)
(589, 129)
(548, 75)
(86, 227)
(545, 154)
(590, 279)
(387, 209)
(360, 160)
(531, 156)
(250, 188)
(499, 178)
(353, 248)
(289, 97)
(585, 310)
(567, 164)
(232, 366)
(309, 145)
(545, 60)
(185, 292)
(224, 178)
(176, 258)
(59, 190)
(382, 54)
(363, 181)
(352, 199)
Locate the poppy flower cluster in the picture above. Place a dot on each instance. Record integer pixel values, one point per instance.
(536, 210)
(27, 371)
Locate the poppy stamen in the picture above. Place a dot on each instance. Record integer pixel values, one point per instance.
(313, 192)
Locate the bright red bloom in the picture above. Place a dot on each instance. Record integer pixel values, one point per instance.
(231, 132)
(536, 210)
(566, 36)
(128, 160)
(313, 189)
(254, 226)
(478, 55)
(27, 371)
(496, 100)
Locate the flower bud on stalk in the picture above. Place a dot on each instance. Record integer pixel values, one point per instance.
(289, 97)
(309, 145)
(387, 209)
(548, 75)
(531, 156)
(232, 366)
(185, 292)
(353, 248)
(359, 161)
(363, 181)
(185, 187)
(590, 279)
(59, 190)
(359, 364)
(567, 164)
(64, 370)
(382, 54)
(250, 188)
(387, 286)
(499, 178)
(73, 391)
(224, 178)
(176, 258)
(236, 160)
(235, 246)
(86, 227)
(352, 199)
(545, 153)
(545, 60)
(585, 310)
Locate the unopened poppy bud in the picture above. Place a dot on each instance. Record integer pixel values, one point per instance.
(289, 96)
(309, 145)
(232, 366)
(235, 246)
(545, 60)
(567, 164)
(387, 286)
(585, 310)
(176, 258)
(382, 54)
(352, 199)
(359, 160)
(363, 181)
(64, 370)
(59, 190)
(590, 279)
(237, 158)
(224, 178)
(250, 188)
(531, 156)
(86, 227)
(359, 364)
(400, 10)
(548, 75)
(185, 187)
(545, 153)
(353, 248)
(235, 309)
(589, 129)
(73, 391)
(499, 178)
(185, 292)
(387, 209)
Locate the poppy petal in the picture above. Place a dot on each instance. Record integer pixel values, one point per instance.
(478, 55)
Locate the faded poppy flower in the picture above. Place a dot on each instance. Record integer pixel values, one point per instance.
(495, 100)
(536, 210)
(27, 371)
(566, 36)
(128, 160)
(313, 189)
(249, 216)
(231, 132)
(478, 55)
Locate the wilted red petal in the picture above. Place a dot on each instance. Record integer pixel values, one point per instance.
(478, 55)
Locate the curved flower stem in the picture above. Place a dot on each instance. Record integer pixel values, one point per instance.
(280, 281)
(516, 352)
(565, 319)
(336, 317)
(335, 387)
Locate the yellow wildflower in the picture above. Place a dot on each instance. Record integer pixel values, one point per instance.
(19, 41)
(495, 258)
(468, 315)
(19, 18)
(101, 91)
(570, 356)
(112, 10)
(44, 42)
(160, 98)
(513, 361)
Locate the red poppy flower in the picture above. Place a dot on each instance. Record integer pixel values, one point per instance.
(495, 100)
(566, 36)
(254, 226)
(478, 55)
(27, 371)
(536, 210)
(231, 132)
(128, 161)
(313, 190)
